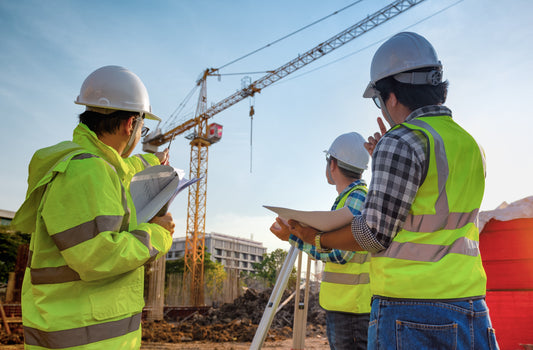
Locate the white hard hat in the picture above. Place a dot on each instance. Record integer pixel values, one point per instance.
(404, 52)
(349, 149)
(115, 88)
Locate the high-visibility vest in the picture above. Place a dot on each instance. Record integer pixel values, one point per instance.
(345, 287)
(83, 287)
(436, 253)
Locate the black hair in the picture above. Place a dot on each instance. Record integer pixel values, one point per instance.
(105, 123)
(348, 173)
(413, 96)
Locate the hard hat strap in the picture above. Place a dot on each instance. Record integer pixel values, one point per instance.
(385, 111)
(133, 134)
(328, 172)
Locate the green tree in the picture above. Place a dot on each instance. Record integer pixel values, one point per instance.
(178, 265)
(174, 266)
(214, 272)
(9, 243)
(268, 269)
(214, 279)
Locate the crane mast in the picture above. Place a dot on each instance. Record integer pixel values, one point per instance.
(195, 240)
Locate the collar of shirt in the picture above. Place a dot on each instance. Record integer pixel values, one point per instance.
(348, 188)
(428, 111)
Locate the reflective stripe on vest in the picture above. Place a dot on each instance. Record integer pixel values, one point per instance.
(82, 335)
(144, 161)
(345, 287)
(436, 253)
(345, 278)
(60, 310)
(83, 233)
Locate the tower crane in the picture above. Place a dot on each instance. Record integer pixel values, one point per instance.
(205, 135)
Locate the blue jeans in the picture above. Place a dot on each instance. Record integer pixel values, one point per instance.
(413, 324)
(346, 331)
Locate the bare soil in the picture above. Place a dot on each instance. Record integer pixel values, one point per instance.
(317, 343)
(231, 326)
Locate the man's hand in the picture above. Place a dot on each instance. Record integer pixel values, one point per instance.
(280, 229)
(373, 140)
(165, 221)
(305, 233)
(162, 156)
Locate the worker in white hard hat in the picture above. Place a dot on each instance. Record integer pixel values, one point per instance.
(345, 287)
(83, 285)
(420, 216)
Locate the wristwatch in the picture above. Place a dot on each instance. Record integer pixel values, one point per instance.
(319, 248)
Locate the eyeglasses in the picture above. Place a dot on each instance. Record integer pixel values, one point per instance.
(144, 131)
(328, 157)
(377, 101)
(377, 97)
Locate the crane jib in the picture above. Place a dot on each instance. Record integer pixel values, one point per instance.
(195, 233)
(370, 22)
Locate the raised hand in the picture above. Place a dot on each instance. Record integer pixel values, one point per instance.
(373, 140)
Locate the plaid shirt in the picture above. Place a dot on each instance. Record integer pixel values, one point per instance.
(354, 202)
(399, 167)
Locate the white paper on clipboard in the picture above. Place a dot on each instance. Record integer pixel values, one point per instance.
(321, 220)
(156, 187)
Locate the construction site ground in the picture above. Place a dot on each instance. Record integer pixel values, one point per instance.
(230, 326)
(310, 343)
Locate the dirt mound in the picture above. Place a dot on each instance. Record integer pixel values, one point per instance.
(237, 322)
(16, 336)
(233, 322)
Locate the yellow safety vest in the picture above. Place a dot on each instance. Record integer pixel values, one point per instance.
(83, 287)
(346, 287)
(436, 253)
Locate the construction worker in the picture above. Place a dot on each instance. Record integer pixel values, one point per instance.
(83, 286)
(420, 216)
(345, 288)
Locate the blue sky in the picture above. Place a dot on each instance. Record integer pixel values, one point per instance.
(49, 47)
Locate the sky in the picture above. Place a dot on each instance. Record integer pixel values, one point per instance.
(49, 47)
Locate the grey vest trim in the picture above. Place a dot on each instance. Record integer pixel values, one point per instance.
(50, 275)
(30, 255)
(86, 231)
(127, 213)
(345, 278)
(433, 223)
(441, 205)
(429, 252)
(90, 155)
(144, 161)
(91, 229)
(144, 237)
(84, 156)
(360, 258)
(83, 335)
(443, 219)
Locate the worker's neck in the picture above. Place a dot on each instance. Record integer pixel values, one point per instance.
(342, 183)
(114, 141)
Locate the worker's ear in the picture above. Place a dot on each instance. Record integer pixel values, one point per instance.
(127, 125)
(392, 100)
(333, 164)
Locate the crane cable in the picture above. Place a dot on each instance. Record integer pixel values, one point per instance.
(288, 35)
(368, 46)
(180, 108)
